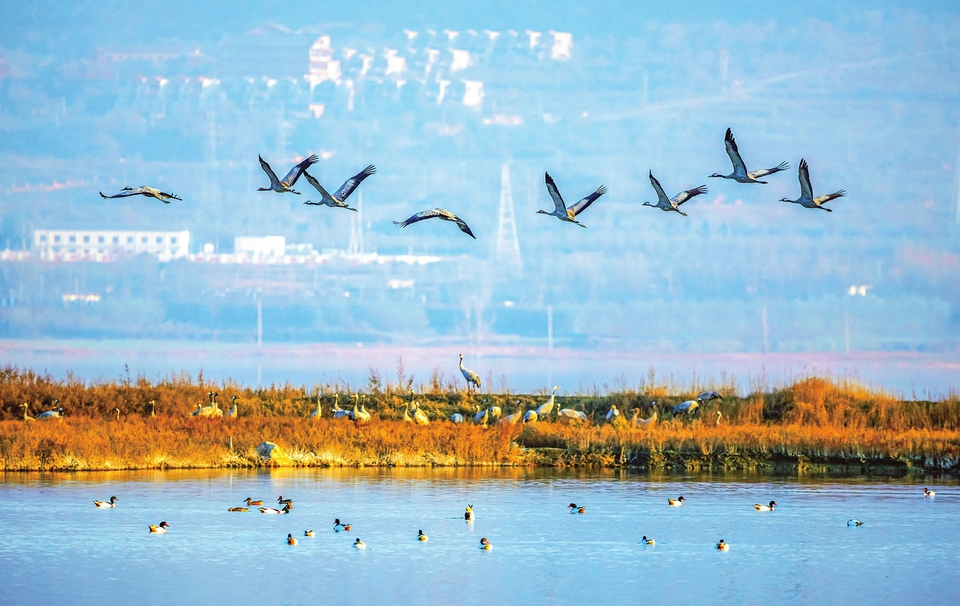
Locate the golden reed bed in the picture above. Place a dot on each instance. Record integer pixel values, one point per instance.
(812, 425)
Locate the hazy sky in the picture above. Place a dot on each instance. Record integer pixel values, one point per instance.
(866, 91)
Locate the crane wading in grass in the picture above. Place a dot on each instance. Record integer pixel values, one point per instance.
(471, 377)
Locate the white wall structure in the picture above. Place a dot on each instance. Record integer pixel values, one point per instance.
(107, 245)
(260, 247)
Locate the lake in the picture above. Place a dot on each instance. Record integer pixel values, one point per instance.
(56, 547)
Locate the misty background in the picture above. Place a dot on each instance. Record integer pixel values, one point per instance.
(447, 101)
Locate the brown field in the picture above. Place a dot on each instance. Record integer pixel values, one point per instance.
(812, 425)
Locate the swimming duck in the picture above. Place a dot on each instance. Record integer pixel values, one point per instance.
(252, 503)
(485, 544)
(111, 503)
(854, 523)
(769, 507)
(676, 502)
(647, 541)
(468, 514)
(241, 509)
(574, 508)
(338, 526)
(359, 544)
(291, 540)
(283, 501)
(309, 533)
(929, 493)
(722, 546)
(160, 528)
(421, 536)
(271, 510)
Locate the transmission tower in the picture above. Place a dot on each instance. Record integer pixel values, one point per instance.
(508, 244)
(356, 228)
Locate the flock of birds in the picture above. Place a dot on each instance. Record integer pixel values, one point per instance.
(561, 211)
(468, 516)
(414, 414)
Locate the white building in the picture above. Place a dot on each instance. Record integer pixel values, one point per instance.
(258, 248)
(107, 245)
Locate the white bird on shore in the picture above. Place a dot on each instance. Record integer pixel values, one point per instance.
(471, 377)
(560, 210)
(143, 190)
(26, 413)
(481, 417)
(740, 174)
(287, 184)
(512, 419)
(673, 204)
(456, 418)
(337, 200)
(531, 416)
(806, 198)
(636, 421)
(572, 415)
(613, 413)
(546, 408)
(233, 412)
(437, 213)
(688, 407)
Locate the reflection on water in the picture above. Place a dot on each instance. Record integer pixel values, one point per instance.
(56, 546)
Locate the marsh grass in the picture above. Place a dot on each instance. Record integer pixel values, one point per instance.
(811, 422)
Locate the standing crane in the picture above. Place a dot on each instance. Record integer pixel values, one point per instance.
(469, 375)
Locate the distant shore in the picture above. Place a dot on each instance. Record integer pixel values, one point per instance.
(812, 426)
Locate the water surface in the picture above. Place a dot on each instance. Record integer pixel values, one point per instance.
(55, 546)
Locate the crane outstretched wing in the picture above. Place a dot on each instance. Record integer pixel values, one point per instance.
(555, 194)
(297, 170)
(585, 203)
(423, 215)
(316, 185)
(806, 190)
(731, 146)
(126, 191)
(763, 172)
(689, 193)
(662, 197)
(274, 182)
(353, 182)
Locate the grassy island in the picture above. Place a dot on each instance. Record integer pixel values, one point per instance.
(813, 425)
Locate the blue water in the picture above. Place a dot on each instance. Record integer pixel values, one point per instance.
(56, 547)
